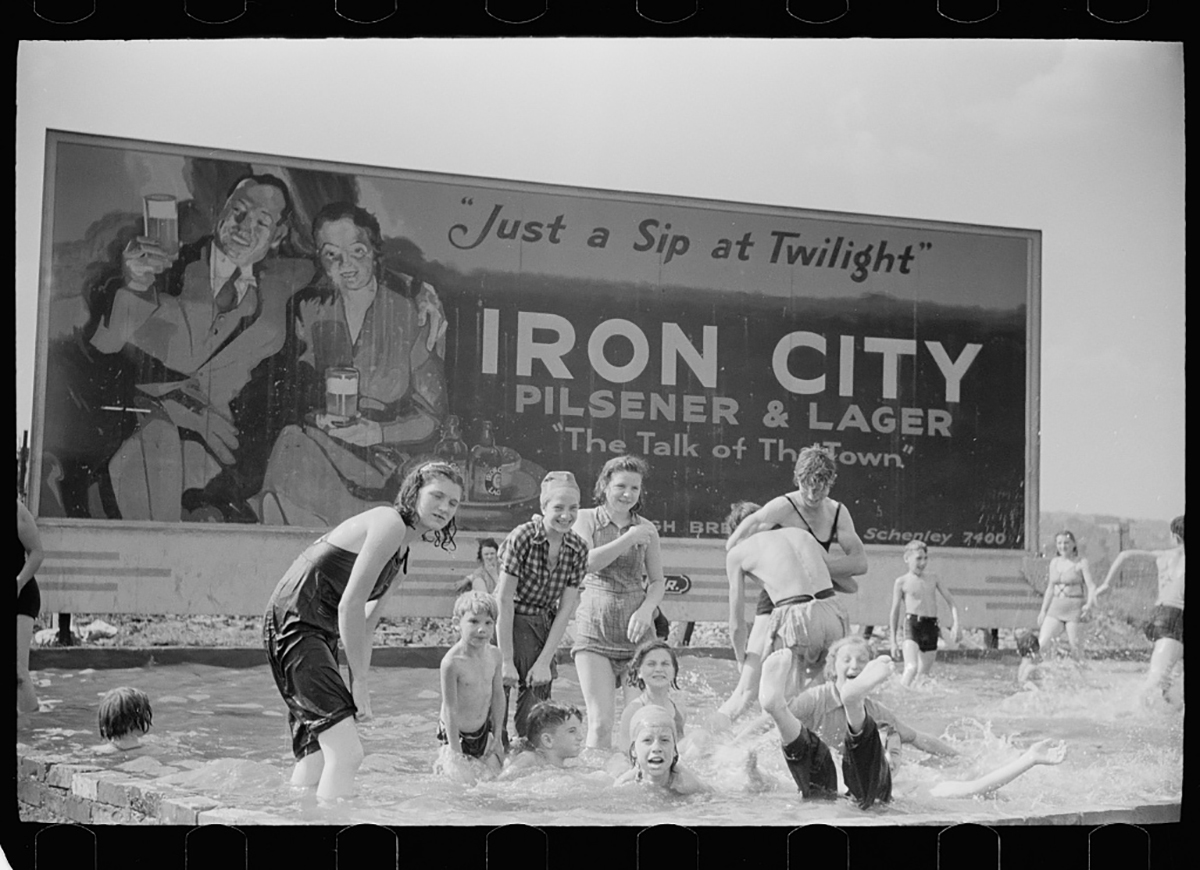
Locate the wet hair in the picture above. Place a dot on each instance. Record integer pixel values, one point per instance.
(1067, 533)
(474, 601)
(545, 717)
(1177, 527)
(1027, 644)
(361, 218)
(410, 490)
(639, 655)
(815, 465)
(916, 544)
(635, 727)
(267, 180)
(831, 654)
(124, 711)
(739, 510)
(484, 543)
(626, 462)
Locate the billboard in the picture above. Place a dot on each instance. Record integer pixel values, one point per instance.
(209, 356)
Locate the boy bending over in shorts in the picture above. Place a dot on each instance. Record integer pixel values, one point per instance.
(472, 684)
(918, 596)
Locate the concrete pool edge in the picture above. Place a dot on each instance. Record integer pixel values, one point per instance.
(89, 794)
(103, 658)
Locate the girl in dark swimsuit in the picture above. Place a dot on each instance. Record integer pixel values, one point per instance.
(337, 589)
(809, 507)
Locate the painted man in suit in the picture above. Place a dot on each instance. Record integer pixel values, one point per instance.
(197, 323)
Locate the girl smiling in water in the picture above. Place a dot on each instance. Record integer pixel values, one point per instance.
(655, 670)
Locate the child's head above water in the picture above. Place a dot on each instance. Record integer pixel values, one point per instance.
(652, 749)
(555, 728)
(125, 715)
(855, 643)
(653, 657)
(1027, 644)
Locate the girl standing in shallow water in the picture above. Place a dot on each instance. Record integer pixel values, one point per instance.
(615, 612)
(1070, 593)
(337, 590)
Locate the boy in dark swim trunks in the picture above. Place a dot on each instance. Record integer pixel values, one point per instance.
(472, 686)
(1165, 628)
(917, 595)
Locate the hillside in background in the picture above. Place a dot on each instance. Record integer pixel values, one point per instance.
(1100, 535)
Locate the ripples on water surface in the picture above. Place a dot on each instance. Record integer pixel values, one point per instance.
(222, 733)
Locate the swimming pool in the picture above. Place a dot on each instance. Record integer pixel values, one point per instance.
(220, 736)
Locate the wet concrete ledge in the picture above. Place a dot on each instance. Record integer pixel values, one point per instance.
(73, 658)
(88, 794)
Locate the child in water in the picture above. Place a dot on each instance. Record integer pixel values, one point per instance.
(655, 670)
(472, 689)
(655, 756)
(840, 714)
(125, 717)
(916, 595)
(1029, 675)
(555, 733)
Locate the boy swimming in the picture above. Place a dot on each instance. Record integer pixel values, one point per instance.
(472, 687)
(124, 718)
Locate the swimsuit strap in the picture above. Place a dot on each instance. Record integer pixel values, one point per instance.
(832, 532)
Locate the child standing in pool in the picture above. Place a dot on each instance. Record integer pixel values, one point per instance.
(336, 591)
(1070, 593)
(654, 754)
(542, 563)
(554, 733)
(1165, 628)
(616, 611)
(917, 595)
(472, 685)
(655, 670)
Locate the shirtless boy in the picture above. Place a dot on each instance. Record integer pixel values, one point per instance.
(1165, 628)
(808, 507)
(917, 595)
(472, 684)
(790, 564)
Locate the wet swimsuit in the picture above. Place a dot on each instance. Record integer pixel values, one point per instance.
(300, 633)
(1066, 605)
(474, 743)
(864, 765)
(29, 600)
(765, 605)
(807, 625)
(924, 631)
(1165, 622)
(864, 757)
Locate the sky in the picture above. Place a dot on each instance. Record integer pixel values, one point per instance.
(1081, 140)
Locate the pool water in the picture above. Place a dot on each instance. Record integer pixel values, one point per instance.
(222, 733)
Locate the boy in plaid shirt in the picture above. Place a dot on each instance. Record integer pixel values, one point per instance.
(541, 565)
